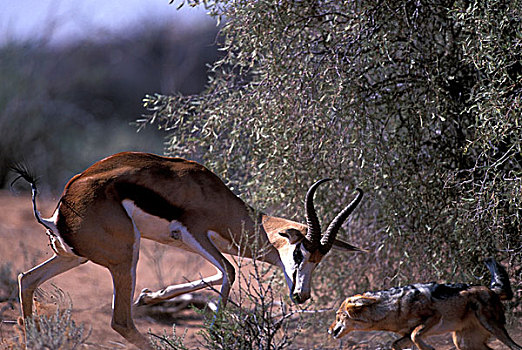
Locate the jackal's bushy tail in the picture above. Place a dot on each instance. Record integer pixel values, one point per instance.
(499, 279)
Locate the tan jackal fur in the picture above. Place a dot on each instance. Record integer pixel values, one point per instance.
(472, 313)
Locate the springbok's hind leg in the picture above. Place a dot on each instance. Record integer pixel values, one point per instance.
(30, 280)
(124, 281)
(123, 275)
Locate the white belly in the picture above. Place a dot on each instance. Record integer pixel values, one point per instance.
(153, 227)
(172, 233)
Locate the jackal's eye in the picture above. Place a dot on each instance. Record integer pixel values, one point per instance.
(298, 255)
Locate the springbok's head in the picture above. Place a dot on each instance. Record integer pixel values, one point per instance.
(306, 245)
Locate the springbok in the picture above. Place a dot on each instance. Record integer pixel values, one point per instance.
(105, 211)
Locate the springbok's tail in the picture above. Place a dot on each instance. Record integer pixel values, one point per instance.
(500, 284)
(24, 173)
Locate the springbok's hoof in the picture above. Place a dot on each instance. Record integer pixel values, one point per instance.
(144, 297)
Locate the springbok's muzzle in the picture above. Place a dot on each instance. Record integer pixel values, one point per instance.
(300, 298)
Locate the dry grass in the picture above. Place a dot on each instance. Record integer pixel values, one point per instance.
(90, 290)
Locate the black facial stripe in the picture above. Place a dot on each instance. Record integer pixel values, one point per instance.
(298, 255)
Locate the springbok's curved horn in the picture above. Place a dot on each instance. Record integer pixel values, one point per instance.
(328, 238)
(313, 234)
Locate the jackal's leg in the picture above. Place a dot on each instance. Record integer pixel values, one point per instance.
(494, 325)
(471, 339)
(402, 343)
(424, 329)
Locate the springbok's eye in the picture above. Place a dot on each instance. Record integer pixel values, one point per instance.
(298, 255)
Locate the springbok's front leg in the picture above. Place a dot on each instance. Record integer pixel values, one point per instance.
(148, 297)
(204, 247)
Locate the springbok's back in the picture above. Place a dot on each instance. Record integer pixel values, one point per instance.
(105, 211)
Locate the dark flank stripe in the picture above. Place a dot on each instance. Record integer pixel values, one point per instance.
(148, 201)
(444, 291)
(412, 292)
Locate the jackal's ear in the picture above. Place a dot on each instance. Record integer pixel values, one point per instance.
(358, 301)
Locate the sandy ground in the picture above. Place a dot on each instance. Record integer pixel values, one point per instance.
(23, 243)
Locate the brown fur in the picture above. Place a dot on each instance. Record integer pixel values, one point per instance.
(471, 313)
(106, 210)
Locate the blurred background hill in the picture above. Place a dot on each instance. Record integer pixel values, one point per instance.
(72, 79)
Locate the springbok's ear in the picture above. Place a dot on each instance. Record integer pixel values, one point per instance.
(292, 235)
(345, 247)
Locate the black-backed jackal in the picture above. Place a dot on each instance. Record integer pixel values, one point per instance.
(472, 313)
